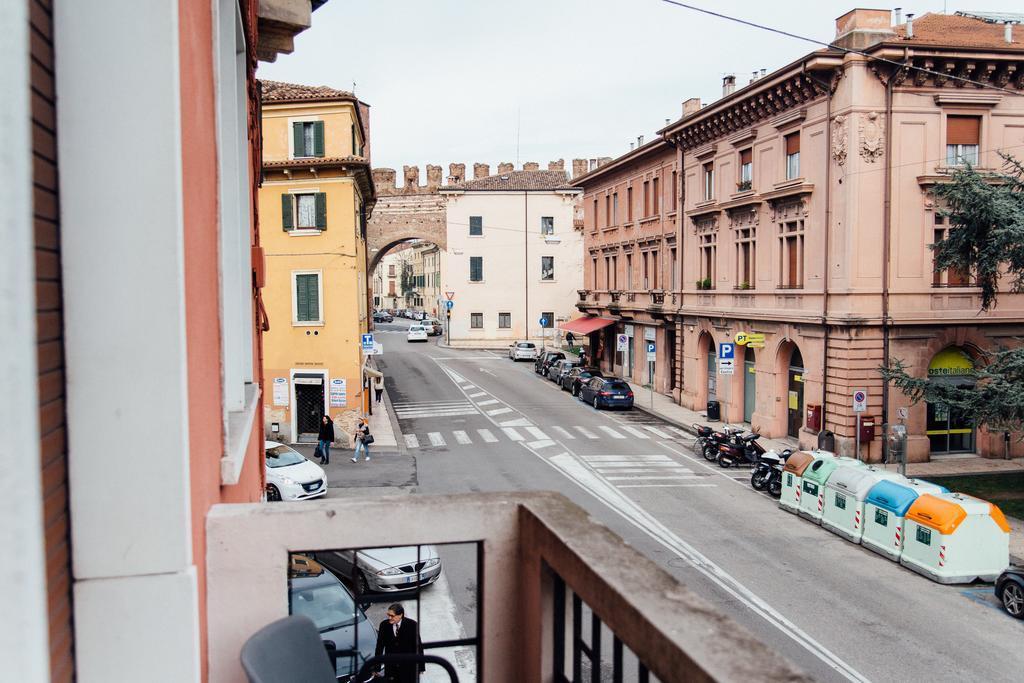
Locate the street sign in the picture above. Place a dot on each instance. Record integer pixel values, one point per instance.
(367, 342)
(651, 356)
(621, 343)
(754, 340)
(860, 401)
(376, 350)
(726, 350)
(449, 305)
(902, 413)
(450, 295)
(726, 366)
(543, 322)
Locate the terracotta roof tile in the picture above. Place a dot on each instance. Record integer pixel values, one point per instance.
(959, 31)
(315, 161)
(517, 180)
(276, 91)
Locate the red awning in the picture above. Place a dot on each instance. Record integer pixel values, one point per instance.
(586, 325)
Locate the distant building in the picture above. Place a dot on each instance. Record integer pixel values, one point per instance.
(316, 195)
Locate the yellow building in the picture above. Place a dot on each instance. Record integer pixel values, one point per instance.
(316, 197)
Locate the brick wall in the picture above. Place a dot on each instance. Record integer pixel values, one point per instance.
(50, 340)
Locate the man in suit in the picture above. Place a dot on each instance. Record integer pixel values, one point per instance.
(399, 635)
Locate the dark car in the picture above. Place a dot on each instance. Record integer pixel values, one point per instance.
(572, 380)
(318, 594)
(606, 392)
(382, 317)
(560, 368)
(544, 361)
(1010, 591)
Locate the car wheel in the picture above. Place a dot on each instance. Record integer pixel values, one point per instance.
(273, 495)
(575, 390)
(1013, 600)
(597, 406)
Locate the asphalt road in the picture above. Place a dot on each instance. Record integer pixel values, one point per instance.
(476, 421)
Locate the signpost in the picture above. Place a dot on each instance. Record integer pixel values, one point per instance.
(860, 404)
(450, 295)
(726, 358)
(543, 335)
(651, 355)
(367, 343)
(621, 342)
(449, 305)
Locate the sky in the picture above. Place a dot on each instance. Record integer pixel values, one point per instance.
(537, 80)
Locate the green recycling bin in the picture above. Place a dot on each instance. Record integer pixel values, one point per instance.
(812, 497)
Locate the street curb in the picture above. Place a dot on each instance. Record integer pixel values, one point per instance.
(393, 419)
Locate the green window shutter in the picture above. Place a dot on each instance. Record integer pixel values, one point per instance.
(318, 138)
(298, 141)
(307, 298)
(287, 212)
(321, 210)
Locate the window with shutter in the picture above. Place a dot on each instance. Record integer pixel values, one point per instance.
(746, 170)
(321, 210)
(476, 268)
(298, 140)
(287, 212)
(963, 135)
(318, 138)
(306, 210)
(307, 297)
(792, 156)
(476, 226)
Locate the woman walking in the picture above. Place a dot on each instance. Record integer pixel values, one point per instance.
(324, 439)
(363, 440)
(378, 387)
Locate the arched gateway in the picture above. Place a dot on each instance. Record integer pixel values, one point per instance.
(413, 211)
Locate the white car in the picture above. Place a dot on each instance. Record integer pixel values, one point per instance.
(290, 476)
(523, 351)
(416, 333)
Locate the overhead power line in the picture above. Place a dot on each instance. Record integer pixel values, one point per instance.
(832, 46)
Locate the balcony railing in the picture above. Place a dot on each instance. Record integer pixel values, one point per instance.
(549, 574)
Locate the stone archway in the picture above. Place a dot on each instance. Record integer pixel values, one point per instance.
(413, 211)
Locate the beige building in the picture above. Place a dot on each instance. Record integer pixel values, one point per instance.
(514, 256)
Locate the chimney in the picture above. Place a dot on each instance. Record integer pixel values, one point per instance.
(639, 140)
(601, 161)
(481, 170)
(557, 165)
(456, 173)
(579, 167)
(910, 25)
(691, 105)
(505, 167)
(763, 72)
(899, 16)
(861, 28)
(531, 166)
(631, 146)
(1008, 32)
(728, 85)
(592, 164)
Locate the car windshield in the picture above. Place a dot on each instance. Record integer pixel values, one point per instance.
(526, 345)
(415, 328)
(282, 456)
(329, 605)
(616, 386)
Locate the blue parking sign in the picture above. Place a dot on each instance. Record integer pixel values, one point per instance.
(727, 350)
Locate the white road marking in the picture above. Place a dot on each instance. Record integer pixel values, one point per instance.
(489, 402)
(656, 457)
(487, 436)
(436, 439)
(411, 441)
(682, 433)
(543, 443)
(410, 414)
(423, 404)
(641, 470)
(499, 411)
(619, 464)
(537, 434)
(657, 432)
(634, 431)
(512, 434)
(586, 432)
(478, 394)
(563, 432)
(467, 386)
(655, 477)
(462, 437)
(518, 422)
(611, 432)
(652, 486)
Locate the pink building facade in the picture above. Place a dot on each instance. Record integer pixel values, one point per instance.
(806, 218)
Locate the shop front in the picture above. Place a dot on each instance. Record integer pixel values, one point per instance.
(947, 429)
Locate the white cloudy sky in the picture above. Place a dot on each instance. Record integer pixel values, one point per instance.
(459, 80)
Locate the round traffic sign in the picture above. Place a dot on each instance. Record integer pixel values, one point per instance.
(859, 396)
(543, 322)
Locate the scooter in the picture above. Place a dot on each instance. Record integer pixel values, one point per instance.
(711, 443)
(740, 450)
(775, 479)
(768, 465)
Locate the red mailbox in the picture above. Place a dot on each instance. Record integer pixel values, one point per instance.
(813, 417)
(867, 428)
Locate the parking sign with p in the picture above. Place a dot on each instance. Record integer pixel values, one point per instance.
(727, 350)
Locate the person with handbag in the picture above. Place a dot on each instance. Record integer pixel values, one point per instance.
(324, 440)
(363, 439)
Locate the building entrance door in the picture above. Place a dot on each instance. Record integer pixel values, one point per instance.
(712, 372)
(309, 406)
(947, 429)
(796, 393)
(749, 386)
(670, 351)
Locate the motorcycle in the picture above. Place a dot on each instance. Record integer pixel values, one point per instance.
(769, 466)
(740, 450)
(709, 447)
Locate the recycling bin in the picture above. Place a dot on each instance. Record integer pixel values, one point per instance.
(955, 538)
(714, 411)
(885, 508)
(812, 496)
(792, 477)
(843, 509)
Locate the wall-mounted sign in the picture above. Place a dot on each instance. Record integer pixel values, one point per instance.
(339, 393)
(280, 391)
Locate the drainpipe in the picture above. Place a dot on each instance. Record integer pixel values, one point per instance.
(526, 265)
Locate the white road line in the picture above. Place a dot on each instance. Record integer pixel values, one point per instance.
(563, 432)
(489, 402)
(430, 404)
(499, 411)
(640, 470)
(537, 434)
(662, 465)
(714, 469)
(512, 434)
(411, 441)
(634, 431)
(467, 386)
(487, 436)
(655, 477)
(543, 443)
(682, 433)
(656, 458)
(518, 422)
(462, 437)
(657, 432)
(478, 394)
(586, 432)
(611, 432)
(436, 439)
(674, 486)
(436, 413)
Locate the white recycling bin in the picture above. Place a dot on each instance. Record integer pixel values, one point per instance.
(792, 476)
(843, 510)
(955, 538)
(812, 497)
(885, 508)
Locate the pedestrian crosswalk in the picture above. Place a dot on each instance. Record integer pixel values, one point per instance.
(645, 471)
(522, 430)
(420, 409)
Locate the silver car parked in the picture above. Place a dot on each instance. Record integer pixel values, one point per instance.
(385, 570)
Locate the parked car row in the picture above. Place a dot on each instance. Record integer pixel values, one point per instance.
(586, 383)
(382, 317)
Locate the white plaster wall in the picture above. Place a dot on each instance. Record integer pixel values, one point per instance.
(511, 247)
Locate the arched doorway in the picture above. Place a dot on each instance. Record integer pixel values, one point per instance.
(795, 394)
(948, 430)
(749, 385)
(708, 345)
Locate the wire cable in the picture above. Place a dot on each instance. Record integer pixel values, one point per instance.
(833, 46)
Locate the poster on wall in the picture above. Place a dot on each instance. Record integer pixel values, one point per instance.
(280, 391)
(339, 393)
